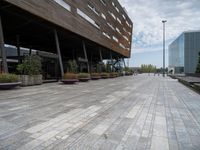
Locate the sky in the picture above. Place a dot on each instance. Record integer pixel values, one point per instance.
(147, 16)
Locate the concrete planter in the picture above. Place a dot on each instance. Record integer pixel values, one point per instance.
(29, 80)
(69, 81)
(84, 79)
(8, 86)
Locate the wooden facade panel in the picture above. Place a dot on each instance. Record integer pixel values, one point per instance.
(70, 20)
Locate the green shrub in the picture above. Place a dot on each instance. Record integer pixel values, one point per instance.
(105, 75)
(83, 75)
(95, 75)
(31, 65)
(8, 78)
(198, 65)
(70, 76)
(114, 74)
(72, 66)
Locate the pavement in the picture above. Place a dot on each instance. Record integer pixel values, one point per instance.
(127, 113)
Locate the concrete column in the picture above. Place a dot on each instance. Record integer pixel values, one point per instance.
(86, 57)
(124, 63)
(59, 53)
(3, 50)
(18, 48)
(101, 58)
(111, 58)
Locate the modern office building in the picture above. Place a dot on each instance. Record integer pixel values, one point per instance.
(183, 53)
(87, 31)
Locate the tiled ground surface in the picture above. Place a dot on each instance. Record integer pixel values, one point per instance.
(141, 112)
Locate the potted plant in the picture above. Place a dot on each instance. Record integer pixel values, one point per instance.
(128, 71)
(95, 76)
(105, 75)
(198, 66)
(8, 81)
(84, 77)
(107, 69)
(71, 77)
(113, 74)
(30, 70)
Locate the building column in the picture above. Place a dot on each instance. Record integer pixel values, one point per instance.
(18, 48)
(30, 50)
(58, 52)
(100, 54)
(111, 60)
(101, 59)
(2, 49)
(124, 63)
(86, 57)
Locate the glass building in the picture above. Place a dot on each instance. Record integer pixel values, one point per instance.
(183, 53)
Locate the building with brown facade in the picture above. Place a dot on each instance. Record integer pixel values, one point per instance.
(87, 31)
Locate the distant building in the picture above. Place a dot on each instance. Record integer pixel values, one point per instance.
(183, 53)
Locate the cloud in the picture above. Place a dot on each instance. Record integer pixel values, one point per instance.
(181, 15)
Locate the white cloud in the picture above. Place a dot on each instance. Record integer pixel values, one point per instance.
(181, 15)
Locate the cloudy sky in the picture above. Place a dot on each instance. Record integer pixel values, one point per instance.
(181, 15)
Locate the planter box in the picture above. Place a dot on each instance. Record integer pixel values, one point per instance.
(95, 77)
(7, 86)
(84, 79)
(29, 80)
(69, 81)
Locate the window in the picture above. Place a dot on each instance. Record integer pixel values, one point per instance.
(128, 24)
(63, 4)
(125, 38)
(106, 35)
(115, 6)
(92, 7)
(112, 15)
(86, 17)
(119, 20)
(103, 2)
(111, 26)
(122, 46)
(115, 39)
(124, 16)
(103, 16)
(118, 31)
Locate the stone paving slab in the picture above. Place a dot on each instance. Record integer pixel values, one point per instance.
(127, 113)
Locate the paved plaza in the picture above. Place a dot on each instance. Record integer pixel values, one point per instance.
(127, 113)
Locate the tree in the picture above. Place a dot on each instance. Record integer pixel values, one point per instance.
(198, 65)
(148, 68)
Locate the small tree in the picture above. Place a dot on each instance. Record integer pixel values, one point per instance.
(72, 66)
(198, 65)
(108, 68)
(31, 65)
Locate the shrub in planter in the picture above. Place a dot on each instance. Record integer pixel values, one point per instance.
(105, 75)
(84, 77)
(128, 71)
(198, 66)
(30, 70)
(72, 66)
(9, 81)
(70, 78)
(113, 74)
(95, 76)
(120, 74)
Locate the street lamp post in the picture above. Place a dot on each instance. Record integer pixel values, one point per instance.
(164, 21)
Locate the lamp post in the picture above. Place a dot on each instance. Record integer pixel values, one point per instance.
(164, 21)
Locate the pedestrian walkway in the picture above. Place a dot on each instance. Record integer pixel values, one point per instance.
(127, 113)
